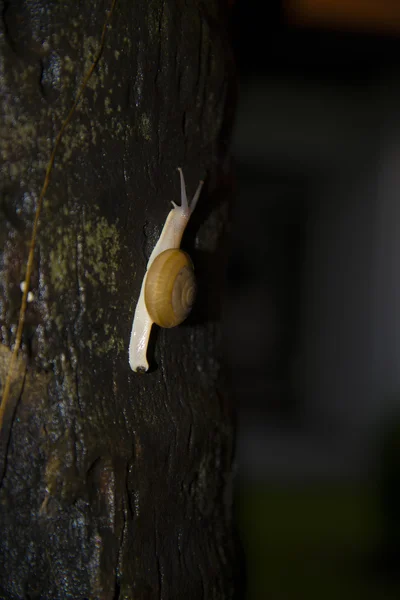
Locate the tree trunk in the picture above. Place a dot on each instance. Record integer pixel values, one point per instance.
(115, 484)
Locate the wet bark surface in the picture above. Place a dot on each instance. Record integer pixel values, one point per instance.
(115, 485)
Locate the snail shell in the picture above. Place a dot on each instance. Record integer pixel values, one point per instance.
(170, 288)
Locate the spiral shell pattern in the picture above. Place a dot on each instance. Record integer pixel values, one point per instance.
(170, 288)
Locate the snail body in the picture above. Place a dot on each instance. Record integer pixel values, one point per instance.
(169, 286)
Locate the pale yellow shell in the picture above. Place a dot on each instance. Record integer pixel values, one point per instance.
(170, 288)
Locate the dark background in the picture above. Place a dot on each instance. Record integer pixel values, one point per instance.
(311, 325)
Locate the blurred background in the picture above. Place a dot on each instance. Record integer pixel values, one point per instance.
(312, 326)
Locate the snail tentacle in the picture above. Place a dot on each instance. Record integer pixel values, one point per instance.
(184, 200)
(196, 196)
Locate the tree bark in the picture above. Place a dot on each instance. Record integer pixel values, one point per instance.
(115, 484)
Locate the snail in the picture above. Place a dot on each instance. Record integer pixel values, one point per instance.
(169, 285)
